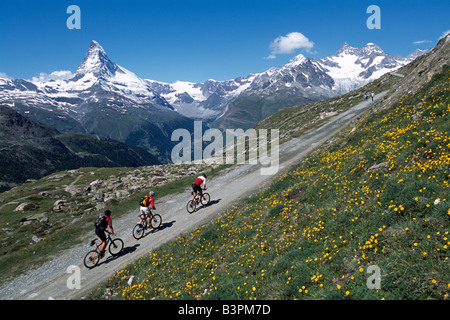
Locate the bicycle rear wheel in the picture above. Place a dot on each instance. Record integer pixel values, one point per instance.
(116, 246)
(138, 231)
(91, 259)
(190, 207)
(155, 221)
(205, 199)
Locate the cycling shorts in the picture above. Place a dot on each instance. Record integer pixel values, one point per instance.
(196, 188)
(101, 234)
(144, 210)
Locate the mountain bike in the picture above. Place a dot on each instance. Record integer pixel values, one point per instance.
(139, 229)
(93, 257)
(192, 204)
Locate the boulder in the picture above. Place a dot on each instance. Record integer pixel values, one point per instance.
(73, 190)
(36, 239)
(41, 217)
(60, 205)
(378, 166)
(25, 206)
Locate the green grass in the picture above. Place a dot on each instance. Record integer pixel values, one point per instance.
(316, 231)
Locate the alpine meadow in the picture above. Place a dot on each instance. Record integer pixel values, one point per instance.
(290, 150)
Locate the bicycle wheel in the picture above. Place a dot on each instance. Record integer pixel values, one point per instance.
(157, 223)
(138, 231)
(190, 207)
(205, 199)
(116, 246)
(91, 259)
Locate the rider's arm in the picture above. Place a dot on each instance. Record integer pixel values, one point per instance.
(111, 227)
(152, 203)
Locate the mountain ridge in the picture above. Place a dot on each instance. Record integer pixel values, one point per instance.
(102, 98)
(106, 99)
(302, 79)
(31, 150)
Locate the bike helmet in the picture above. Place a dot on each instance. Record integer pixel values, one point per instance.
(107, 212)
(151, 193)
(204, 174)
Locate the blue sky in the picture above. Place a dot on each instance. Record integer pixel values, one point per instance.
(196, 40)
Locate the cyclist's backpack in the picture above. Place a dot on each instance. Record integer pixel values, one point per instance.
(144, 202)
(101, 222)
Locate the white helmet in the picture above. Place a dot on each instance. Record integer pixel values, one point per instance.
(151, 193)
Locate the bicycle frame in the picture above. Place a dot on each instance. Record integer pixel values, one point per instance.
(93, 257)
(197, 196)
(144, 216)
(192, 204)
(108, 240)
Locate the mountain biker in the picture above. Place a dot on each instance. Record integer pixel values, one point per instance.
(196, 186)
(147, 202)
(103, 221)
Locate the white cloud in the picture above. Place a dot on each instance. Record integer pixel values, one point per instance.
(422, 41)
(55, 75)
(272, 56)
(289, 43)
(4, 76)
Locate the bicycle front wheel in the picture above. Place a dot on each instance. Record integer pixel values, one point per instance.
(155, 221)
(190, 207)
(116, 246)
(91, 259)
(205, 199)
(138, 231)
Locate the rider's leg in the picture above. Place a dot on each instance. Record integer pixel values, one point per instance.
(143, 214)
(102, 246)
(101, 234)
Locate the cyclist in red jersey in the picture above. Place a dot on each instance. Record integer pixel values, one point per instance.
(197, 185)
(147, 203)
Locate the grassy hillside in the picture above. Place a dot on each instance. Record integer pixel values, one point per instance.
(377, 197)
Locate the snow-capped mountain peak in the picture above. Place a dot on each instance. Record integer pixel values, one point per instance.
(346, 49)
(98, 71)
(297, 60)
(97, 82)
(97, 63)
(354, 67)
(371, 48)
